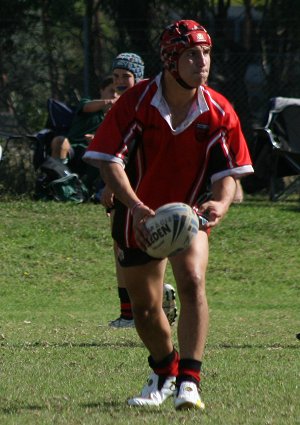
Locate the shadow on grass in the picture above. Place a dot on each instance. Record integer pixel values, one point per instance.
(251, 346)
(138, 344)
(93, 344)
(9, 410)
(290, 207)
(118, 406)
(100, 406)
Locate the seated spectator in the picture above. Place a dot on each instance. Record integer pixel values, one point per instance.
(89, 115)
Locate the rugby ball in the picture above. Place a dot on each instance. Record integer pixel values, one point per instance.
(171, 229)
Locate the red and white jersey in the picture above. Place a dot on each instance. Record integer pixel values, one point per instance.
(166, 164)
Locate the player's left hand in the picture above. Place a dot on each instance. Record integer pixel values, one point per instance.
(214, 211)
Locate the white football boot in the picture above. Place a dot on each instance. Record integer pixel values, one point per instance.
(169, 307)
(121, 323)
(153, 394)
(188, 397)
(169, 303)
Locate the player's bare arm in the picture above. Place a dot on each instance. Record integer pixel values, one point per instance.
(116, 178)
(223, 192)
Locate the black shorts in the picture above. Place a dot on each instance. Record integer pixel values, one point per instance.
(130, 257)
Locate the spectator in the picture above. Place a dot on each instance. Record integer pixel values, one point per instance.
(186, 136)
(89, 115)
(128, 70)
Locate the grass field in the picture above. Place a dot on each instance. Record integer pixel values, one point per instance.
(57, 284)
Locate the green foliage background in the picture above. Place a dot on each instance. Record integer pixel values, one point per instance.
(62, 49)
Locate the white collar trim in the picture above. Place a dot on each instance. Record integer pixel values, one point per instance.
(198, 107)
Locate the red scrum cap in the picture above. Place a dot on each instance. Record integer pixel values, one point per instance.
(177, 37)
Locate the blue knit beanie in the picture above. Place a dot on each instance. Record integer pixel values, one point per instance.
(132, 63)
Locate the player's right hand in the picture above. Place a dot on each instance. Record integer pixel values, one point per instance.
(140, 216)
(107, 197)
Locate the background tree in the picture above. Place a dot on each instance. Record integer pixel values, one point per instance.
(50, 48)
(280, 41)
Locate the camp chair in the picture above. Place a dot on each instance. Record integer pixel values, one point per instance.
(278, 144)
(59, 120)
(60, 116)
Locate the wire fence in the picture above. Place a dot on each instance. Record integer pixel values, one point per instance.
(242, 75)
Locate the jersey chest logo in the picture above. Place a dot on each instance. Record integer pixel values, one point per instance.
(201, 132)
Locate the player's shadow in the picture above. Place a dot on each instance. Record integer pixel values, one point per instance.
(106, 406)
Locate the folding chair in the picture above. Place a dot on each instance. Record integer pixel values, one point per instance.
(60, 116)
(278, 147)
(59, 120)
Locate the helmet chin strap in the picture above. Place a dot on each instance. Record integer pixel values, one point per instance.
(179, 80)
(184, 84)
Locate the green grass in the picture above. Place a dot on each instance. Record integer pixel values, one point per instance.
(57, 284)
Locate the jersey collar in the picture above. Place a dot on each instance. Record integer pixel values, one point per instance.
(198, 107)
